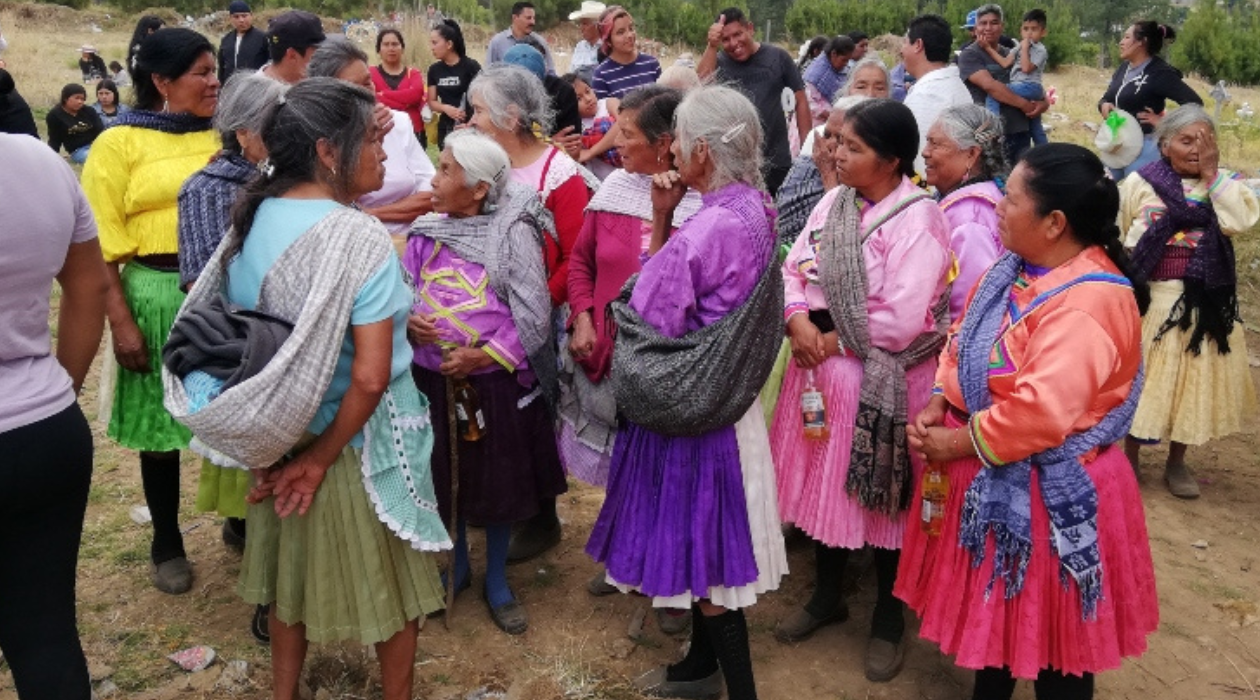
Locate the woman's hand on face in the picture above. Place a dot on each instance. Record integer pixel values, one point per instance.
(422, 329)
(667, 191)
(296, 484)
(582, 340)
(1209, 155)
(384, 118)
(568, 141)
(461, 362)
(809, 348)
(129, 347)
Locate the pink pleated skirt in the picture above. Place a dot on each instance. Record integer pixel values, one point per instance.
(810, 474)
(1041, 627)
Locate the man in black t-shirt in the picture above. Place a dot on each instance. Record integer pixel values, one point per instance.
(760, 71)
(984, 77)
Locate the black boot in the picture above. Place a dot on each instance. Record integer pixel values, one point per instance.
(993, 684)
(536, 535)
(885, 652)
(696, 677)
(827, 605)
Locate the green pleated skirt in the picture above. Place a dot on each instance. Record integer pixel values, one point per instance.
(337, 569)
(222, 490)
(138, 419)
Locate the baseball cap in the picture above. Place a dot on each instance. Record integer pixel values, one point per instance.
(971, 20)
(526, 57)
(237, 7)
(295, 29)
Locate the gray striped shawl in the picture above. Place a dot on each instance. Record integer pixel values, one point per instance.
(313, 285)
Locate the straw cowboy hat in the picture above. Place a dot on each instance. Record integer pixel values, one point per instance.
(589, 10)
(87, 48)
(1119, 139)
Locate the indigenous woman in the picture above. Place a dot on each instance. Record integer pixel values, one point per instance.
(46, 233)
(1029, 577)
(355, 563)
(408, 171)
(1143, 84)
(812, 174)
(625, 68)
(825, 77)
(869, 77)
(866, 308)
(449, 77)
(659, 532)
(965, 160)
(398, 86)
(205, 205)
(132, 181)
(1178, 215)
(617, 230)
(482, 313)
(508, 104)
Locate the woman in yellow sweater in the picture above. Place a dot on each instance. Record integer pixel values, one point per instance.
(132, 182)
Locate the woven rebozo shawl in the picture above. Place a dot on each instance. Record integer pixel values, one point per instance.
(312, 285)
(508, 242)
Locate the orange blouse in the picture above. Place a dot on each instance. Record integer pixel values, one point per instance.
(1057, 370)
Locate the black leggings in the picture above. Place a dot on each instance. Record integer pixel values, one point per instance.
(45, 472)
(999, 684)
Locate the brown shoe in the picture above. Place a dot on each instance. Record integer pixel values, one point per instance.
(884, 660)
(655, 684)
(1181, 483)
(802, 624)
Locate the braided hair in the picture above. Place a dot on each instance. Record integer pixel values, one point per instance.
(1069, 178)
(972, 126)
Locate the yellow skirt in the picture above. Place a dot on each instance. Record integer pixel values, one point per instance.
(1190, 398)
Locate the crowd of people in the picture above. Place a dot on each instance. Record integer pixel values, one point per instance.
(890, 317)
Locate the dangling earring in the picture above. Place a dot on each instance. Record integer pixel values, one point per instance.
(334, 172)
(165, 103)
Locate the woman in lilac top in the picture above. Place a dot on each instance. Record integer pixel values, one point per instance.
(965, 160)
(657, 532)
(45, 440)
(481, 298)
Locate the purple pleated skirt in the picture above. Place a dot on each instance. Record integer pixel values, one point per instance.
(675, 519)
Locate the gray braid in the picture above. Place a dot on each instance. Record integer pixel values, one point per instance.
(973, 126)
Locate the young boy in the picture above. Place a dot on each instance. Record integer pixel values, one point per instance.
(1027, 65)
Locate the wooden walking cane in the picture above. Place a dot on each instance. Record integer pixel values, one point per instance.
(453, 529)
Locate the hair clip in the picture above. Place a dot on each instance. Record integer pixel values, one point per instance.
(267, 168)
(733, 132)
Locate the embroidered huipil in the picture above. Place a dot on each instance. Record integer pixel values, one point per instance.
(1059, 369)
(973, 237)
(468, 311)
(1236, 205)
(897, 254)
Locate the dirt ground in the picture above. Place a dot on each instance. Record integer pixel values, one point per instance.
(1207, 646)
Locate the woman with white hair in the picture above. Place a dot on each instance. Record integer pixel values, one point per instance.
(1178, 216)
(869, 77)
(690, 517)
(511, 106)
(965, 160)
(482, 312)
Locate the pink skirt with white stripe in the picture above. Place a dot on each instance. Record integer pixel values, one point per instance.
(811, 473)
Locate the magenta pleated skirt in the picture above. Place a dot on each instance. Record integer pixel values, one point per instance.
(1041, 627)
(811, 473)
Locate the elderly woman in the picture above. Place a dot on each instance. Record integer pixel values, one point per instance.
(615, 232)
(496, 333)
(1178, 215)
(205, 206)
(405, 194)
(658, 532)
(625, 68)
(132, 181)
(355, 563)
(866, 307)
(1033, 561)
(46, 441)
(825, 77)
(966, 163)
(508, 104)
(869, 77)
(812, 174)
(1143, 84)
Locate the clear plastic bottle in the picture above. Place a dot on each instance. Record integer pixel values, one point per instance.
(813, 410)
